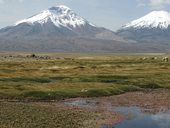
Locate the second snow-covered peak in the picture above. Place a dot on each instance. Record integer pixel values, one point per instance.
(59, 15)
(155, 19)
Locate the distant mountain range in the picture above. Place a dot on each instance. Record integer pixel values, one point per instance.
(59, 29)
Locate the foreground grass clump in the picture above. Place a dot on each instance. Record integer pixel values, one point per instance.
(77, 75)
(24, 79)
(22, 115)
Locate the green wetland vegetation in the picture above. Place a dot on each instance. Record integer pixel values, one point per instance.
(63, 76)
(81, 76)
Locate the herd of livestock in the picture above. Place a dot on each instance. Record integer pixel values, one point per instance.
(164, 59)
(47, 57)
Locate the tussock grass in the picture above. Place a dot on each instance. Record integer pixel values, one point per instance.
(26, 79)
(87, 76)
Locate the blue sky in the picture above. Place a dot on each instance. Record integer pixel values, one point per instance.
(111, 14)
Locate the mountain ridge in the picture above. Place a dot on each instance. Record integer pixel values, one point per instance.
(59, 15)
(57, 29)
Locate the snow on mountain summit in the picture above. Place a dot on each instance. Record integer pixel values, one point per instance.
(155, 19)
(59, 15)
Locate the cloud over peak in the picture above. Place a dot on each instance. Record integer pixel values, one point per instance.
(154, 4)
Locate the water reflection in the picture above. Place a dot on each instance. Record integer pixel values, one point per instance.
(136, 118)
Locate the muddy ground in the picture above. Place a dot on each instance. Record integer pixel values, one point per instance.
(150, 101)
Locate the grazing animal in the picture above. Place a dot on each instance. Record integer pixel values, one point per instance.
(84, 90)
(144, 58)
(154, 58)
(165, 59)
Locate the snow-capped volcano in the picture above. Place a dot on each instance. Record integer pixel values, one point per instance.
(59, 21)
(151, 28)
(59, 15)
(155, 19)
(57, 29)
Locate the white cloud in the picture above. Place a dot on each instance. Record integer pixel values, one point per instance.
(155, 4)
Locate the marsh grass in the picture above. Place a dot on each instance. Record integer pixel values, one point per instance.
(81, 76)
(26, 79)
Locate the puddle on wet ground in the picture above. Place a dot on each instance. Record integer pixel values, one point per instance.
(134, 117)
(82, 103)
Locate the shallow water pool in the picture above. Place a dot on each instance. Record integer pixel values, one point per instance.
(136, 117)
